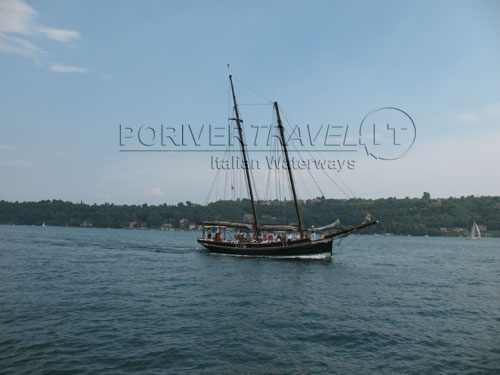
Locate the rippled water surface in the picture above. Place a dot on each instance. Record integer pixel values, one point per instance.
(99, 301)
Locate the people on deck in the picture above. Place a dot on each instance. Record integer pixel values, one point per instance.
(218, 236)
(215, 234)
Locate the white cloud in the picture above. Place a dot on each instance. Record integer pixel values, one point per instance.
(17, 17)
(16, 163)
(157, 192)
(17, 24)
(6, 147)
(467, 117)
(13, 44)
(492, 110)
(105, 76)
(105, 197)
(486, 114)
(59, 68)
(60, 35)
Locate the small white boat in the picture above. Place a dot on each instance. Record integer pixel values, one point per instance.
(475, 233)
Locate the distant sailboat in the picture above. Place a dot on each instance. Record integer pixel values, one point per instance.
(475, 233)
(43, 224)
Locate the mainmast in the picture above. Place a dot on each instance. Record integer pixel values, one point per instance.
(290, 175)
(243, 151)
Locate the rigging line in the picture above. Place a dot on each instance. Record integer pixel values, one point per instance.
(274, 154)
(286, 184)
(277, 142)
(308, 170)
(303, 183)
(286, 187)
(279, 176)
(217, 189)
(242, 140)
(347, 186)
(270, 172)
(315, 182)
(338, 187)
(254, 91)
(342, 247)
(268, 184)
(284, 212)
(312, 177)
(228, 176)
(216, 178)
(228, 101)
(274, 173)
(253, 182)
(280, 195)
(343, 183)
(282, 174)
(250, 170)
(233, 197)
(228, 148)
(280, 181)
(337, 175)
(239, 105)
(212, 187)
(225, 182)
(236, 188)
(214, 182)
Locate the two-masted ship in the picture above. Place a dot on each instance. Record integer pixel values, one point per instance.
(270, 240)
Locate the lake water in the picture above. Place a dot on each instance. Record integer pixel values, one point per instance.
(97, 301)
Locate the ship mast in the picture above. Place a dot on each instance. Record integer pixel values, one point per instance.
(243, 151)
(290, 175)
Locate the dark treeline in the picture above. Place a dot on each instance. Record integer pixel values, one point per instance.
(397, 216)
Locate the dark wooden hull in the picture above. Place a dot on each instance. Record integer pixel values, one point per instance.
(295, 249)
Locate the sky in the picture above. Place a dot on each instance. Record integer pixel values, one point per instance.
(72, 72)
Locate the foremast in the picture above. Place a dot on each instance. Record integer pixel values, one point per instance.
(288, 167)
(245, 159)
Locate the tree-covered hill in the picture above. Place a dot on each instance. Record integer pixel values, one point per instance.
(451, 216)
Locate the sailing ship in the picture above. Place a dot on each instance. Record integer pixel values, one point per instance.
(271, 240)
(475, 233)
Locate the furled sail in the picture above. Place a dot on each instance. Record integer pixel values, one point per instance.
(272, 227)
(267, 227)
(240, 225)
(227, 224)
(326, 227)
